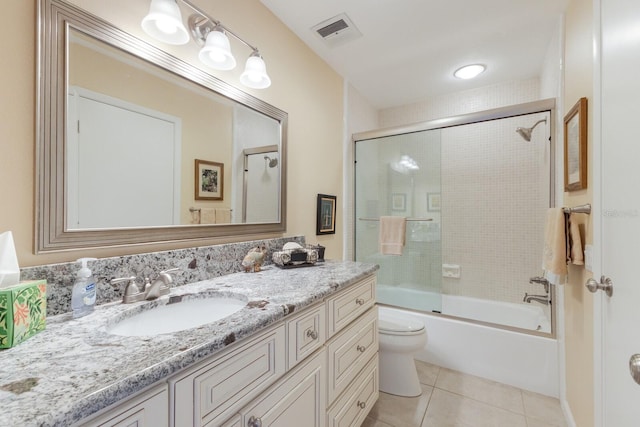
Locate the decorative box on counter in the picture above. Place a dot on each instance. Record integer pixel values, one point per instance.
(23, 311)
(295, 256)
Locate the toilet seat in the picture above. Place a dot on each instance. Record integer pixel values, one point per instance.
(407, 327)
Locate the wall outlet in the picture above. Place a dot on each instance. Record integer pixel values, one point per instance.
(451, 271)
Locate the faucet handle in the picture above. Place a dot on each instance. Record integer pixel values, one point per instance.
(132, 286)
(132, 292)
(171, 270)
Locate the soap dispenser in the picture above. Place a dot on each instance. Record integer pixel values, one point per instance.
(83, 295)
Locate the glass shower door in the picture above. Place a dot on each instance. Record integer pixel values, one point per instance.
(400, 176)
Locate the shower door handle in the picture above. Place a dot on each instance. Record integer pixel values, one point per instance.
(606, 285)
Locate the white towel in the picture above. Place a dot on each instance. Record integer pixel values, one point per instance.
(554, 257)
(223, 216)
(207, 216)
(575, 243)
(392, 232)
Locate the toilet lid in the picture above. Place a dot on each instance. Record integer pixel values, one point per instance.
(400, 326)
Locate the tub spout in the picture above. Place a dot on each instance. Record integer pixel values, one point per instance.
(542, 299)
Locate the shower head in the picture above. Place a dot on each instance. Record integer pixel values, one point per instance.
(526, 132)
(271, 162)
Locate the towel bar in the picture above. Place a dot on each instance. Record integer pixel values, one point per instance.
(585, 209)
(408, 219)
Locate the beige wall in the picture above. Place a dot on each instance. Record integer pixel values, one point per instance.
(578, 304)
(302, 85)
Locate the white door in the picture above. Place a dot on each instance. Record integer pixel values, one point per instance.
(106, 188)
(619, 211)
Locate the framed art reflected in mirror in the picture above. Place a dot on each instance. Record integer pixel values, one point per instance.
(209, 180)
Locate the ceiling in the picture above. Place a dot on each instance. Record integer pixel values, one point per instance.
(409, 49)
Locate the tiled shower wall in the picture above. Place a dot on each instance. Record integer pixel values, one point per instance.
(495, 192)
(493, 199)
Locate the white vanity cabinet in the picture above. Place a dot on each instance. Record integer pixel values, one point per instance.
(315, 368)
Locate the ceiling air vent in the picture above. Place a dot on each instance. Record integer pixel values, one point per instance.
(337, 30)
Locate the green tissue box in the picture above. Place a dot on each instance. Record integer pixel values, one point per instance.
(23, 311)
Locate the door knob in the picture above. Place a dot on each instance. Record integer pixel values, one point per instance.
(634, 367)
(606, 284)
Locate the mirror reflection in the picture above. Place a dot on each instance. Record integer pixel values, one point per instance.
(136, 133)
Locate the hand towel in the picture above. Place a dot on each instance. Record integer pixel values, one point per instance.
(554, 257)
(575, 243)
(207, 216)
(392, 232)
(223, 216)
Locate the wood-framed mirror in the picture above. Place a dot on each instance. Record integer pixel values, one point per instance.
(120, 123)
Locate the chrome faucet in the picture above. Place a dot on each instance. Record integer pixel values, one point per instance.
(542, 299)
(160, 286)
(151, 290)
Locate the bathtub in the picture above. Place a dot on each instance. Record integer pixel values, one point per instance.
(526, 361)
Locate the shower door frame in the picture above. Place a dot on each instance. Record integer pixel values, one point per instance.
(540, 106)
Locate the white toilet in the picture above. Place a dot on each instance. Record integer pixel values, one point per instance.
(400, 338)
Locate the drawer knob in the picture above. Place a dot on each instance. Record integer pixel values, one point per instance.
(312, 333)
(361, 404)
(360, 301)
(254, 422)
(361, 348)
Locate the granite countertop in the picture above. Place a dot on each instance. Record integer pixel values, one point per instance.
(75, 368)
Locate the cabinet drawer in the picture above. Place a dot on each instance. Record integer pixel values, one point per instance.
(350, 304)
(306, 334)
(351, 408)
(214, 391)
(148, 409)
(350, 350)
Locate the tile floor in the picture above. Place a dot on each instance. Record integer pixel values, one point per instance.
(453, 399)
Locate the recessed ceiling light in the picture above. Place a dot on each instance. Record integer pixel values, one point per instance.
(469, 71)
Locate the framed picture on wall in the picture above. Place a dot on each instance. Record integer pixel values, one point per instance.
(326, 215)
(575, 147)
(399, 202)
(209, 180)
(433, 202)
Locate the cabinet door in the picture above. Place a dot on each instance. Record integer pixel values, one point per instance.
(305, 334)
(219, 388)
(298, 400)
(148, 409)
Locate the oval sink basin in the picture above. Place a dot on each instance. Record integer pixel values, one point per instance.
(176, 317)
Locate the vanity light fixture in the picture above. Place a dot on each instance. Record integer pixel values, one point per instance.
(469, 71)
(164, 23)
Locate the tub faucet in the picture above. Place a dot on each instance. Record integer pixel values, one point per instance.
(542, 299)
(542, 281)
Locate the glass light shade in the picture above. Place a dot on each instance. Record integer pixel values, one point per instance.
(164, 22)
(469, 71)
(255, 73)
(216, 53)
